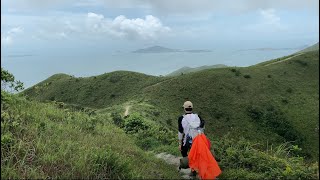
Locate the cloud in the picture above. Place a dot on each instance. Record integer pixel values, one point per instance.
(269, 17)
(15, 30)
(96, 26)
(170, 6)
(95, 16)
(122, 27)
(7, 38)
(269, 22)
(205, 6)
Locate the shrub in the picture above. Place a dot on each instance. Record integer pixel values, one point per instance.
(275, 121)
(42, 126)
(156, 113)
(115, 78)
(238, 73)
(117, 119)
(60, 104)
(254, 112)
(289, 90)
(8, 80)
(284, 101)
(241, 159)
(302, 63)
(134, 123)
(6, 140)
(247, 76)
(169, 122)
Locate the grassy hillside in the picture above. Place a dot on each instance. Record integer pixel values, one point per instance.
(65, 140)
(185, 70)
(274, 103)
(270, 103)
(40, 140)
(98, 91)
(48, 140)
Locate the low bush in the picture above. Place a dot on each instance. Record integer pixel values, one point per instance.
(240, 159)
(247, 76)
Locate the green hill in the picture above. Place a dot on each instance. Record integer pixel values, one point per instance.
(278, 101)
(272, 103)
(258, 118)
(98, 91)
(49, 140)
(185, 70)
(46, 140)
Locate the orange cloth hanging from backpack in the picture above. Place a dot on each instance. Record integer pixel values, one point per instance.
(202, 160)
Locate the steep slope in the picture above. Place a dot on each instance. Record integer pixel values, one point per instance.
(47, 140)
(40, 140)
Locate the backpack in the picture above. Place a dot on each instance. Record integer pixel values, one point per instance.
(194, 127)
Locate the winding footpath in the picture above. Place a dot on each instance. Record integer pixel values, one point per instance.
(169, 158)
(284, 59)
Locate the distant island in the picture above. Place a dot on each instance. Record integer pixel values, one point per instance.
(160, 49)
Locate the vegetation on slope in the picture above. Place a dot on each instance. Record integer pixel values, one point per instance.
(98, 91)
(239, 159)
(185, 70)
(274, 104)
(49, 140)
(39, 140)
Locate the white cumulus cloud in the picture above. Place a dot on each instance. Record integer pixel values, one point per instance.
(95, 16)
(123, 27)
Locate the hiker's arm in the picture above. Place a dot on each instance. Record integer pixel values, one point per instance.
(201, 122)
(180, 130)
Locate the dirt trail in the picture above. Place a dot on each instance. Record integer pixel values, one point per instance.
(284, 59)
(174, 160)
(126, 113)
(158, 83)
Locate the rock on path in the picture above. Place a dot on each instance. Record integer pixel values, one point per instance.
(174, 160)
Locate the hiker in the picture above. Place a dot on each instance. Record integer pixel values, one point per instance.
(186, 125)
(191, 137)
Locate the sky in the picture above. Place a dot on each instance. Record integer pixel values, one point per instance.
(70, 29)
